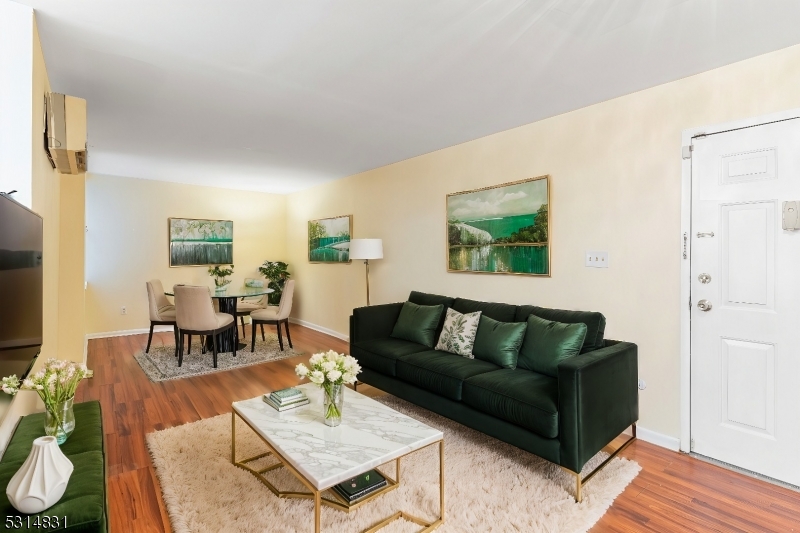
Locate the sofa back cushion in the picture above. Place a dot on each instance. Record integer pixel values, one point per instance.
(424, 298)
(547, 343)
(495, 311)
(418, 323)
(458, 333)
(595, 322)
(499, 342)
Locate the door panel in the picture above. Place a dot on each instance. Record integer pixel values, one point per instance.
(745, 360)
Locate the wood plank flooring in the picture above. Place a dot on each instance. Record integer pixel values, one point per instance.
(674, 492)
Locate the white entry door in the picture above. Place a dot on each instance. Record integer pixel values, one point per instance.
(745, 329)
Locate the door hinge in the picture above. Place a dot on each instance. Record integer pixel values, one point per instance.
(690, 303)
(685, 238)
(686, 152)
(691, 445)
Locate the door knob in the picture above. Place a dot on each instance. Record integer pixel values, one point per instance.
(704, 305)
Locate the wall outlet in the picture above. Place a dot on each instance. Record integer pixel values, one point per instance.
(123, 310)
(642, 384)
(597, 259)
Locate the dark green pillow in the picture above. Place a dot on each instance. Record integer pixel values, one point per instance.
(547, 343)
(498, 342)
(417, 323)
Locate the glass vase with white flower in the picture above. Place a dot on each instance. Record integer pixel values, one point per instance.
(329, 371)
(55, 384)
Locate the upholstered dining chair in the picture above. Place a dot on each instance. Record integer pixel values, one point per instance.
(162, 313)
(246, 305)
(275, 314)
(195, 314)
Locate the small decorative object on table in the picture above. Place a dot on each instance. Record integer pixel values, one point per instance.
(276, 273)
(56, 384)
(329, 371)
(220, 275)
(42, 479)
(285, 399)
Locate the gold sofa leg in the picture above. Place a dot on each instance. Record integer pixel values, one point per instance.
(580, 482)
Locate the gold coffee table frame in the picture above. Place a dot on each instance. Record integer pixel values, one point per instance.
(339, 503)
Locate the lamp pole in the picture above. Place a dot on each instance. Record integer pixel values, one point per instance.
(366, 262)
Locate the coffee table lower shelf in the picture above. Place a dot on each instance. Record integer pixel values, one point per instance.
(338, 503)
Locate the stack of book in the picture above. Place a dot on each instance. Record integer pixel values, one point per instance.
(285, 399)
(360, 486)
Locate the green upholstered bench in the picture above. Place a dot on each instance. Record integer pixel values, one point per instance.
(84, 503)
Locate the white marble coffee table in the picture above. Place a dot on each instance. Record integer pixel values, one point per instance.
(319, 456)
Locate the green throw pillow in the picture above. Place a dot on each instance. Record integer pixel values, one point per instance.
(498, 342)
(547, 343)
(417, 323)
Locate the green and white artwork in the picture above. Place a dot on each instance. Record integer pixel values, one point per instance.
(501, 229)
(194, 242)
(329, 239)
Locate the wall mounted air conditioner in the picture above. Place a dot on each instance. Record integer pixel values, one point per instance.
(65, 132)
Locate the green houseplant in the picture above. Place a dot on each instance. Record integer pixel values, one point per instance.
(277, 273)
(220, 275)
(56, 384)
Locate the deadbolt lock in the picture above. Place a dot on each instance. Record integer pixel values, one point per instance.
(704, 278)
(704, 305)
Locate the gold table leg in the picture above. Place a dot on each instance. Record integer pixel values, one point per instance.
(317, 511)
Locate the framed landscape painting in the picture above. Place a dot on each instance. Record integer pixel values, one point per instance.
(197, 242)
(329, 239)
(501, 229)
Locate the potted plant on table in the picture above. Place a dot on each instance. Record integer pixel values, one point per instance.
(329, 371)
(276, 273)
(56, 384)
(220, 275)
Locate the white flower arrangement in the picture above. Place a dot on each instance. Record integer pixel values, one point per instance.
(329, 370)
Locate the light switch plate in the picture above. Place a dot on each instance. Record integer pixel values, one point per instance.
(596, 259)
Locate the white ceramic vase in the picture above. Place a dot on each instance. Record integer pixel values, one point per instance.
(42, 479)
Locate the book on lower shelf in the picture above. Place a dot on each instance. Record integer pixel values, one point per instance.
(360, 486)
(284, 407)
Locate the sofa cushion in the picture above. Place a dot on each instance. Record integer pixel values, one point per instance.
(499, 342)
(518, 396)
(424, 298)
(381, 355)
(418, 323)
(496, 311)
(440, 372)
(595, 322)
(458, 333)
(547, 343)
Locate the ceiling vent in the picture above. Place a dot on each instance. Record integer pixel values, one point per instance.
(65, 132)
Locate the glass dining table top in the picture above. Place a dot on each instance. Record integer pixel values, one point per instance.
(228, 291)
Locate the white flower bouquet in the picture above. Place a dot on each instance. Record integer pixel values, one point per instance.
(56, 384)
(329, 371)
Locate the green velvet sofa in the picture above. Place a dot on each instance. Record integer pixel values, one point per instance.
(85, 502)
(565, 420)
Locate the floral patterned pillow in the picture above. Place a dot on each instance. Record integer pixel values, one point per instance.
(458, 334)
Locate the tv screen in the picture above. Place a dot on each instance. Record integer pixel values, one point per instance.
(20, 287)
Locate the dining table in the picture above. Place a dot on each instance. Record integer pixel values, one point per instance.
(227, 297)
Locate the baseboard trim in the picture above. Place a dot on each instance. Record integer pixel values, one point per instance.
(321, 329)
(659, 439)
(126, 332)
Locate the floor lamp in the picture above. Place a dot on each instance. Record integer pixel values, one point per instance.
(366, 249)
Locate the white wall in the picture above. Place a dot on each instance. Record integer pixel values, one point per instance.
(127, 242)
(615, 172)
(16, 106)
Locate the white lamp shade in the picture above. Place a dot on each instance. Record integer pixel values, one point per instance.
(366, 249)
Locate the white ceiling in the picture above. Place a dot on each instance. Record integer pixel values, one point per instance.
(280, 95)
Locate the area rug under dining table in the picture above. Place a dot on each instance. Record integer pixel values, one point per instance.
(490, 485)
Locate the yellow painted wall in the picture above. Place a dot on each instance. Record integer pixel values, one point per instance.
(127, 243)
(616, 180)
(71, 306)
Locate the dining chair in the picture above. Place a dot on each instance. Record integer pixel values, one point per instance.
(195, 314)
(275, 314)
(247, 305)
(162, 313)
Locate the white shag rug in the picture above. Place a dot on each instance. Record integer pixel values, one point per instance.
(490, 486)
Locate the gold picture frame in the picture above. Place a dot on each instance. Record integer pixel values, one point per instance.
(194, 240)
(329, 240)
(494, 230)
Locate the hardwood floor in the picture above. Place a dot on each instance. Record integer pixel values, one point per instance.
(674, 492)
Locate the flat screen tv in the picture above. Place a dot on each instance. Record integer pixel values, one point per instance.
(21, 293)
